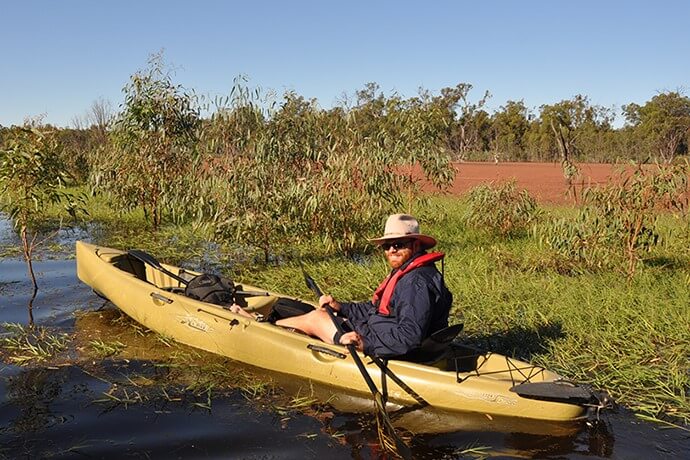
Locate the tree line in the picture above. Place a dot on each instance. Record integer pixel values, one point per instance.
(574, 129)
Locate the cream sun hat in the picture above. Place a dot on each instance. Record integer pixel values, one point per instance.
(403, 226)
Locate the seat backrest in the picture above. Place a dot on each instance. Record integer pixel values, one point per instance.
(434, 346)
(441, 338)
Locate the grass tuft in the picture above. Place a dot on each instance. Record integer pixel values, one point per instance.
(105, 349)
(22, 345)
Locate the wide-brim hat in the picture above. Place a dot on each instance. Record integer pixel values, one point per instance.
(400, 226)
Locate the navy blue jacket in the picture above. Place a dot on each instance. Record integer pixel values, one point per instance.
(419, 307)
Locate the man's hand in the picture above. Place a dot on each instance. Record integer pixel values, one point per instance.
(352, 338)
(328, 299)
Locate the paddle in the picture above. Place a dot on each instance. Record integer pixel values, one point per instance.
(402, 449)
(153, 262)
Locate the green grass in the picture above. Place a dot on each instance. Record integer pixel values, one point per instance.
(105, 349)
(23, 345)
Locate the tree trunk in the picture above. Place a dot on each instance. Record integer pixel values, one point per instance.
(563, 146)
(28, 249)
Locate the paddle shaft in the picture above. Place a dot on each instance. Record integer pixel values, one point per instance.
(152, 261)
(403, 449)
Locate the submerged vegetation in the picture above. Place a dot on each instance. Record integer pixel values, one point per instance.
(28, 345)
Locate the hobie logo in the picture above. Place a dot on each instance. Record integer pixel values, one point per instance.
(194, 323)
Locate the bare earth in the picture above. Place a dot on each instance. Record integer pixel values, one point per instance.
(544, 181)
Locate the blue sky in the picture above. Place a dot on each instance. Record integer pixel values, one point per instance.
(59, 56)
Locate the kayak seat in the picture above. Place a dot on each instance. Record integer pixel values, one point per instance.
(130, 265)
(286, 308)
(434, 347)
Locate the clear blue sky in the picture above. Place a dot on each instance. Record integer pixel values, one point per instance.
(59, 56)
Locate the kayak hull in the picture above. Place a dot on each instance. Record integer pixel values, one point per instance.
(474, 382)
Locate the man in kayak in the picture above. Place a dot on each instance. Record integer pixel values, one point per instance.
(412, 302)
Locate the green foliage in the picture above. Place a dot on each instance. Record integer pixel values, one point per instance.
(105, 349)
(570, 121)
(153, 143)
(510, 126)
(32, 176)
(583, 243)
(619, 221)
(303, 174)
(469, 123)
(79, 151)
(663, 123)
(501, 209)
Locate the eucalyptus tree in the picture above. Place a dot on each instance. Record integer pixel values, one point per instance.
(306, 174)
(237, 121)
(368, 114)
(296, 128)
(664, 122)
(423, 125)
(619, 221)
(330, 176)
(471, 120)
(153, 142)
(510, 125)
(32, 178)
(569, 121)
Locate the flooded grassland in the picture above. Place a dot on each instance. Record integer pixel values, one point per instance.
(95, 384)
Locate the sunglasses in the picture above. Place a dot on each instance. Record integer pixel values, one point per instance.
(397, 245)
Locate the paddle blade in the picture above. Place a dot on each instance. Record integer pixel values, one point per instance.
(559, 391)
(145, 257)
(388, 436)
(311, 284)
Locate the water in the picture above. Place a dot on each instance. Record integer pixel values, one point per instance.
(60, 411)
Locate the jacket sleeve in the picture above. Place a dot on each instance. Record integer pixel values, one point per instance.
(408, 323)
(355, 310)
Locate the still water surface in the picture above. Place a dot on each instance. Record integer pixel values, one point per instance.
(58, 411)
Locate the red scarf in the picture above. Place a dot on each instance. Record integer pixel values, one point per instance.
(385, 290)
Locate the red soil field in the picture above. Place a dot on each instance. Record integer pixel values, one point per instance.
(544, 181)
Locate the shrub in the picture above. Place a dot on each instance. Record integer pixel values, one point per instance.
(309, 175)
(501, 209)
(618, 222)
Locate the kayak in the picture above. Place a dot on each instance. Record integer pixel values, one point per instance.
(460, 379)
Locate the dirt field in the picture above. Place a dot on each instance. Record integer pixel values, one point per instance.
(544, 181)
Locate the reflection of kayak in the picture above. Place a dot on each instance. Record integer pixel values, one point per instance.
(461, 380)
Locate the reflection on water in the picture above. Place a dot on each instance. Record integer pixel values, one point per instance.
(7, 235)
(62, 411)
(49, 413)
(132, 405)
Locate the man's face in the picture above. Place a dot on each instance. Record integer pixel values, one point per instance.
(399, 251)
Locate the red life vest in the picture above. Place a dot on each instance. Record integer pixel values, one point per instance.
(385, 290)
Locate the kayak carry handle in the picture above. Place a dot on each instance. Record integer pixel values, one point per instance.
(161, 297)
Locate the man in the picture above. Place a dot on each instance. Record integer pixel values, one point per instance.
(410, 304)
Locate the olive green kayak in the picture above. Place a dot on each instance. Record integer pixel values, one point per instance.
(462, 379)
